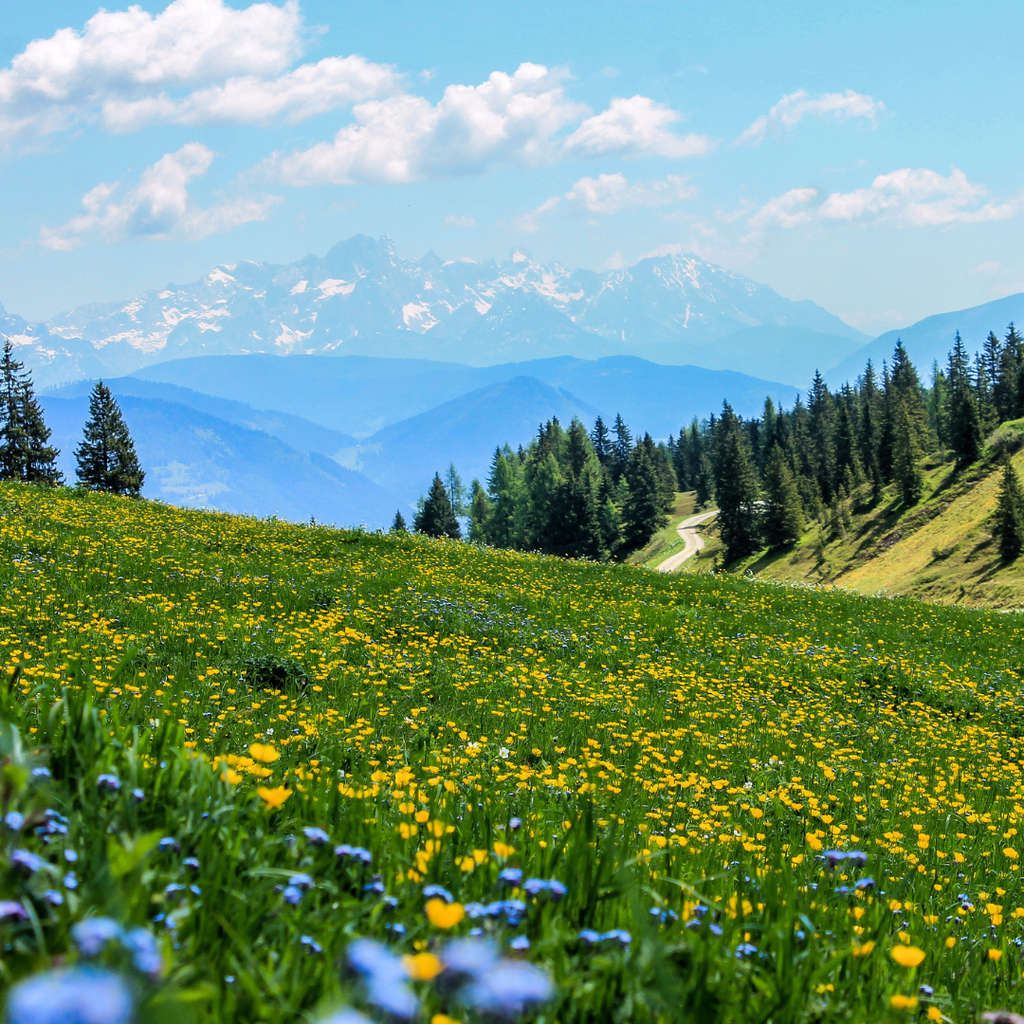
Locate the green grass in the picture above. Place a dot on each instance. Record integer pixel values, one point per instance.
(678, 751)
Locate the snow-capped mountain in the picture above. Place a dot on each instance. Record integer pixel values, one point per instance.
(362, 299)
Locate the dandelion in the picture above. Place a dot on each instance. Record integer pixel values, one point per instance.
(273, 798)
(264, 752)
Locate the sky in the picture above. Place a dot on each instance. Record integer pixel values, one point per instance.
(862, 155)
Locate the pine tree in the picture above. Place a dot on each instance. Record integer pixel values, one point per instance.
(737, 493)
(783, 514)
(1008, 530)
(906, 454)
(507, 490)
(25, 454)
(1006, 390)
(398, 525)
(963, 425)
(437, 517)
(106, 456)
(456, 490)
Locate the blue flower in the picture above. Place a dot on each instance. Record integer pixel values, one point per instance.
(70, 881)
(311, 944)
(14, 820)
(520, 942)
(76, 996)
(430, 891)
(108, 783)
(507, 988)
(511, 876)
(385, 977)
(356, 852)
(92, 934)
(12, 910)
(302, 880)
(623, 938)
(588, 935)
(345, 1016)
(292, 895)
(29, 862)
(745, 949)
(138, 795)
(169, 843)
(191, 862)
(145, 952)
(316, 836)
(54, 898)
(41, 772)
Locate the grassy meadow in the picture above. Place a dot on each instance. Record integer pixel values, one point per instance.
(246, 745)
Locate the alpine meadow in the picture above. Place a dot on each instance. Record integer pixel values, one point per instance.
(511, 513)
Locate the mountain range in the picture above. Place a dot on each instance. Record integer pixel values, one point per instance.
(362, 299)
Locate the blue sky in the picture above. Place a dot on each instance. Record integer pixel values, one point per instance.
(862, 155)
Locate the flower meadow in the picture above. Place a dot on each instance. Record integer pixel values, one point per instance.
(261, 772)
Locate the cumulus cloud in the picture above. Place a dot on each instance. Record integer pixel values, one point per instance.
(635, 127)
(918, 197)
(610, 193)
(158, 207)
(910, 197)
(792, 109)
(231, 64)
(789, 210)
(509, 119)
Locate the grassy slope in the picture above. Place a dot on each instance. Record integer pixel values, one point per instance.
(667, 542)
(941, 550)
(663, 740)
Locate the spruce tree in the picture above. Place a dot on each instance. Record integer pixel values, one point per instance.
(737, 494)
(622, 446)
(1008, 530)
(437, 517)
(963, 425)
(906, 454)
(25, 454)
(479, 514)
(602, 442)
(106, 456)
(783, 513)
(456, 490)
(643, 514)
(398, 525)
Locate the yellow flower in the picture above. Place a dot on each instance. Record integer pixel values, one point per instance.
(863, 950)
(263, 752)
(444, 915)
(274, 797)
(903, 1002)
(1011, 853)
(422, 966)
(950, 942)
(442, 1018)
(503, 850)
(995, 954)
(230, 775)
(907, 956)
(934, 1013)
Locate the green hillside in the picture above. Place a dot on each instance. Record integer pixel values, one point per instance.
(255, 772)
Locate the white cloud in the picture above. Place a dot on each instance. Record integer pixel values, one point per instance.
(789, 210)
(988, 267)
(610, 193)
(158, 207)
(309, 90)
(918, 197)
(459, 221)
(635, 127)
(509, 119)
(792, 109)
(530, 222)
(232, 65)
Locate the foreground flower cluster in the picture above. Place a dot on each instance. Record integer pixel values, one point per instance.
(322, 770)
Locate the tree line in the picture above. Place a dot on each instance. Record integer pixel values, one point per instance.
(600, 495)
(106, 458)
(568, 492)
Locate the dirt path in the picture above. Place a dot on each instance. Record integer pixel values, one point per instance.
(687, 529)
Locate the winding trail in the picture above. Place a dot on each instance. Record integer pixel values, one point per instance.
(687, 529)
